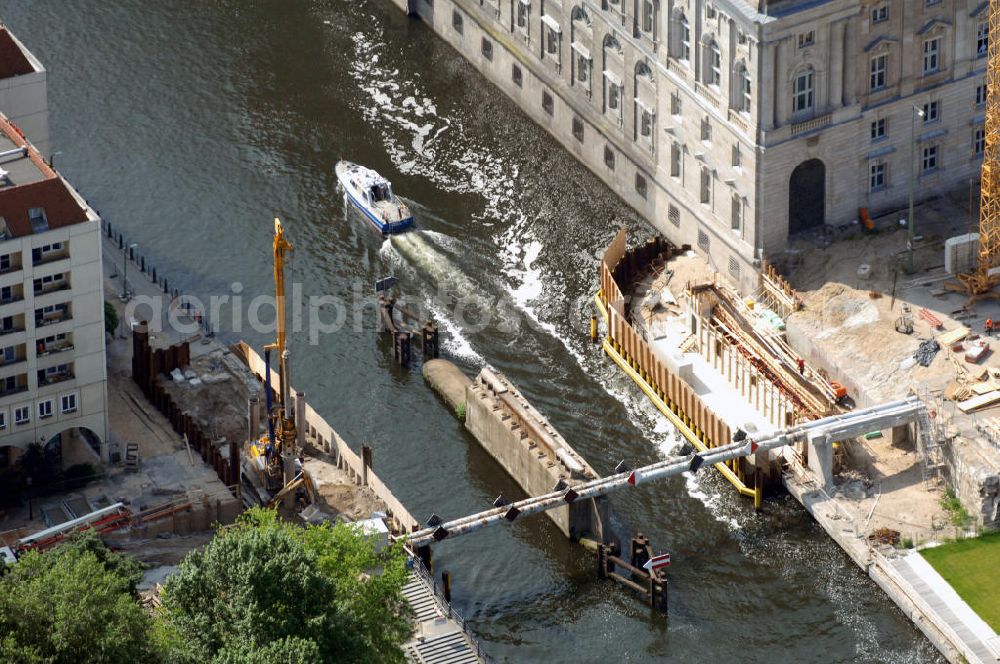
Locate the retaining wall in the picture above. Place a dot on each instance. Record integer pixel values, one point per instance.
(531, 451)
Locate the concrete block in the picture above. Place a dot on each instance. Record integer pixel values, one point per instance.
(960, 253)
(820, 453)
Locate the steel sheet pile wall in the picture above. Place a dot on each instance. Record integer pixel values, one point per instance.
(619, 268)
(147, 364)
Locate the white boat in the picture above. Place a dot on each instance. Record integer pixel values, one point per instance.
(372, 195)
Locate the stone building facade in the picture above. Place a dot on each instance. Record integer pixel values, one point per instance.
(731, 124)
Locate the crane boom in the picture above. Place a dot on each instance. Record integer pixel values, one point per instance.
(281, 247)
(983, 279)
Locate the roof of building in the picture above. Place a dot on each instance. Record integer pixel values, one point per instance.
(26, 183)
(13, 60)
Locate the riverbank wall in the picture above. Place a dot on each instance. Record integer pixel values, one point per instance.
(318, 432)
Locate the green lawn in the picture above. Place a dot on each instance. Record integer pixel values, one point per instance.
(972, 567)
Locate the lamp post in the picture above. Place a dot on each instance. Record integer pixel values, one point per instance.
(917, 112)
(125, 294)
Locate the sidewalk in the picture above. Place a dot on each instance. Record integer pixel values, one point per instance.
(950, 609)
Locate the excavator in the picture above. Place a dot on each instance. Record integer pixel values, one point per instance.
(271, 458)
(980, 282)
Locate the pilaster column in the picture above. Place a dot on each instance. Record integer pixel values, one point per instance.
(837, 64)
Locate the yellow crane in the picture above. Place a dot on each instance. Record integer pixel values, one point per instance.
(271, 454)
(986, 276)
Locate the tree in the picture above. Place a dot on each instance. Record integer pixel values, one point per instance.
(268, 591)
(110, 318)
(75, 603)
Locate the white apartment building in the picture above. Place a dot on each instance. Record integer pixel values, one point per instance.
(52, 361)
(731, 124)
(23, 90)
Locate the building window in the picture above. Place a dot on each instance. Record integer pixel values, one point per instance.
(685, 52)
(582, 68)
(674, 215)
(979, 142)
(547, 104)
(877, 176)
(609, 157)
(932, 55)
(703, 242)
(713, 73)
(613, 95)
(931, 112)
(746, 87)
(675, 160)
(68, 403)
(44, 409)
(39, 222)
(648, 16)
(880, 13)
(552, 42)
(803, 96)
(456, 22)
(675, 103)
(706, 129)
(22, 415)
(737, 156)
(646, 123)
(982, 39)
(523, 10)
(807, 38)
(487, 49)
(930, 159)
(640, 185)
(734, 267)
(3, 420)
(578, 129)
(515, 75)
(737, 217)
(879, 129)
(878, 68)
(5, 263)
(706, 185)
(981, 94)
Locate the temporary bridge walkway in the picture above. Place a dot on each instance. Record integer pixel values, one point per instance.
(821, 432)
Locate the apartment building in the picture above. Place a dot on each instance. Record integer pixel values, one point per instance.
(24, 90)
(731, 124)
(52, 361)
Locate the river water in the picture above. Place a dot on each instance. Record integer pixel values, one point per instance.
(190, 126)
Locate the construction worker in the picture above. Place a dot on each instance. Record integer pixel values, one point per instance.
(989, 327)
(802, 366)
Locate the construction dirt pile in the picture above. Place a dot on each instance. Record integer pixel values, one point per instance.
(857, 335)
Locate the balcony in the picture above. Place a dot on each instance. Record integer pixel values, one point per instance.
(45, 379)
(811, 125)
(52, 319)
(45, 257)
(4, 392)
(53, 349)
(45, 289)
(11, 330)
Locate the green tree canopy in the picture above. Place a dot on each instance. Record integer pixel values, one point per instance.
(75, 603)
(268, 591)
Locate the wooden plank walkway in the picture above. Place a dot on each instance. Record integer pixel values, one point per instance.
(949, 608)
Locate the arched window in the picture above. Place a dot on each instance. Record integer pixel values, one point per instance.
(742, 88)
(580, 14)
(804, 91)
(713, 63)
(680, 37)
